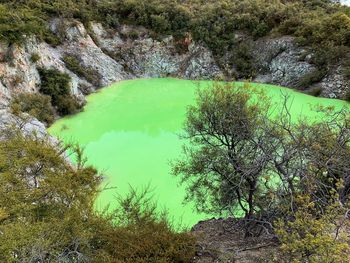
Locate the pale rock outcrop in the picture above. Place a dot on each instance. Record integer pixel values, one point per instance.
(28, 125)
(334, 85)
(17, 72)
(79, 43)
(110, 55)
(279, 62)
(144, 56)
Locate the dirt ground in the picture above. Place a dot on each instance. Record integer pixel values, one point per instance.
(221, 240)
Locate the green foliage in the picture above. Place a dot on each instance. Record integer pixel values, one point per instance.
(47, 212)
(164, 17)
(221, 176)
(37, 105)
(326, 29)
(35, 57)
(321, 25)
(57, 85)
(347, 96)
(44, 201)
(310, 237)
(346, 69)
(144, 236)
(15, 24)
(245, 156)
(73, 64)
(311, 78)
(244, 62)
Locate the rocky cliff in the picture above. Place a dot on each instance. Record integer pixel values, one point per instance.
(132, 52)
(135, 52)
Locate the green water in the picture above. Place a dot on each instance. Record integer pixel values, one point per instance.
(130, 133)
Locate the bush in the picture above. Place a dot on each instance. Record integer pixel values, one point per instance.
(57, 85)
(315, 91)
(310, 237)
(347, 96)
(346, 69)
(67, 105)
(310, 78)
(244, 61)
(147, 232)
(132, 34)
(322, 25)
(35, 57)
(73, 64)
(16, 23)
(47, 212)
(347, 73)
(237, 155)
(37, 105)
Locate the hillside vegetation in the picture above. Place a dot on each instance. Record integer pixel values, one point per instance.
(315, 23)
(47, 211)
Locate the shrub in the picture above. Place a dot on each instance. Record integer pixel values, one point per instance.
(132, 34)
(310, 237)
(315, 91)
(47, 212)
(321, 25)
(16, 80)
(57, 85)
(37, 105)
(35, 57)
(244, 62)
(16, 23)
(52, 39)
(67, 105)
(237, 155)
(73, 64)
(148, 233)
(347, 96)
(347, 73)
(346, 70)
(310, 78)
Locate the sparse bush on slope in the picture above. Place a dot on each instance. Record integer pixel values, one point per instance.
(57, 85)
(47, 212)
(37, 105)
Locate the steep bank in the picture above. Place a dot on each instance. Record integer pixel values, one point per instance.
(131, 52)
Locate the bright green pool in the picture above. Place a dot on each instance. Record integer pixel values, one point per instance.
(130, 133)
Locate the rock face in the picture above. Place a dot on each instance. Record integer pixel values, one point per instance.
(111, 56)
(133, 52)
(144, 56)
(278, 61)
(27, 124)
(334, 84)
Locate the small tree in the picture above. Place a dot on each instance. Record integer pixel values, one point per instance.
(241, 156)
(228, 150)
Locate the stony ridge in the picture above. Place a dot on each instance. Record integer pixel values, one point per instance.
(132, 52)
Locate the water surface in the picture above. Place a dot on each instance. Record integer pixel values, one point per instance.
(130, 132)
